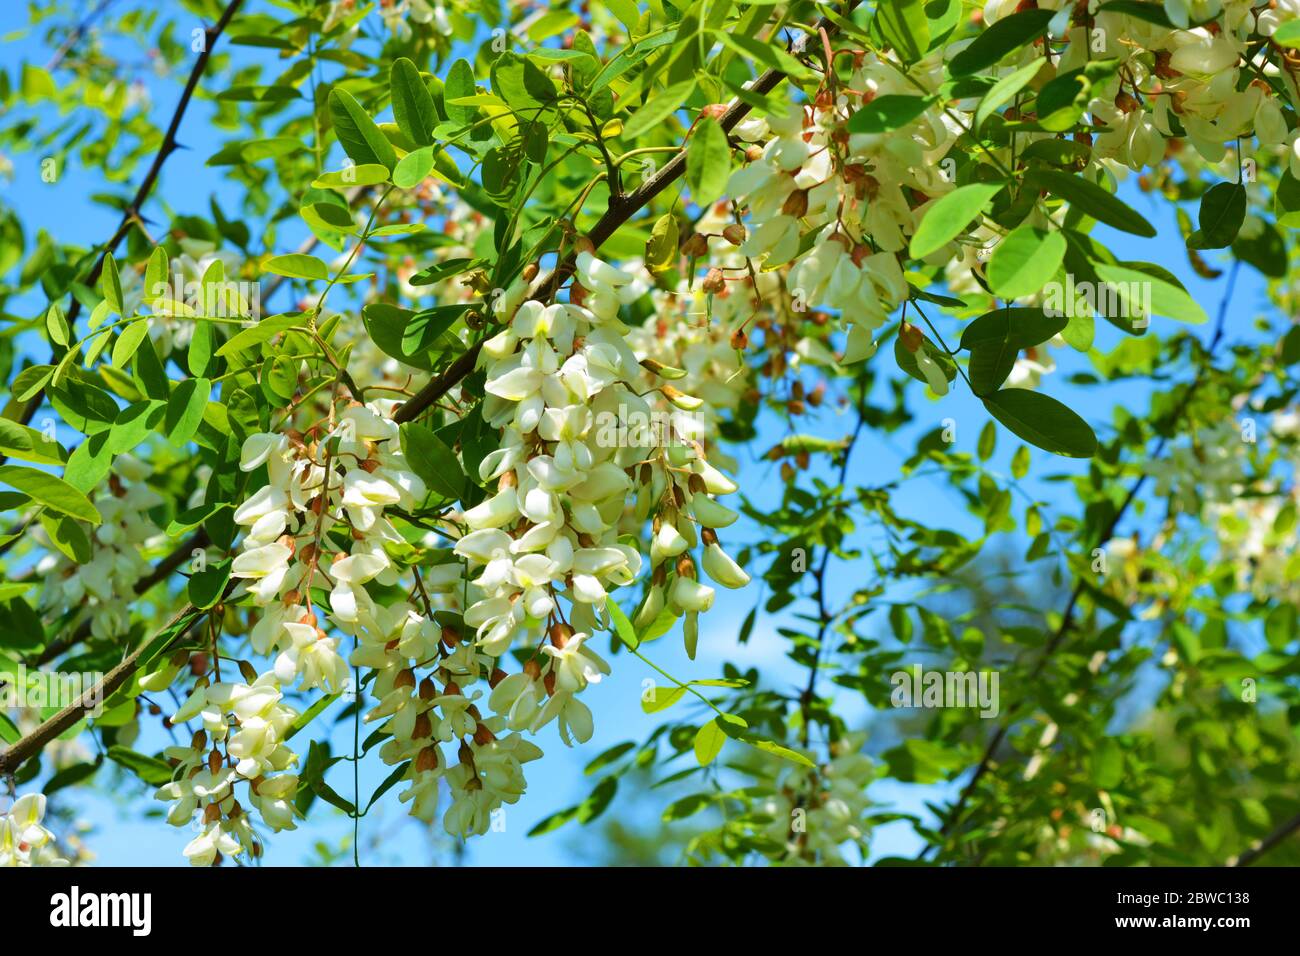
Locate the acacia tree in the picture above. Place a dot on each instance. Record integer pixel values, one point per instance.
(450, 376)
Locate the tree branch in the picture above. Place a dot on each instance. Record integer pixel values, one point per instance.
(1260, 847)
(132, 212)
(614, 216)
(619, 210)
(953, 816)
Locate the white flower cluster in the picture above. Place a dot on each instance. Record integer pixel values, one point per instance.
(340, 481)
(797, 178)
(551, 528)
(817, 811)
(106, 583)
(23, 840)
(250, 722)
(839, 205)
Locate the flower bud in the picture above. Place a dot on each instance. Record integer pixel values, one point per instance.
(735, 233)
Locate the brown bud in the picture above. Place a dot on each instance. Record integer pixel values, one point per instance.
(753, 152)
(214, 760)
(548, 682)
(1126, 102)
(714, 281)
(713, 111)
(464, 754)
(247, 671)
(426, 760)
(211, 813)
(428, 689)
(796, 204)
(483, 736)
(449, 636)
(911, 336)
(735, 234)
(530, 272)
(405, 678)
(560, 634)
(496, 677)
(533, 669)
(451, 689)
(685, 566)
(696, 246)
(708, 536)
(423, 727)
(200, 740)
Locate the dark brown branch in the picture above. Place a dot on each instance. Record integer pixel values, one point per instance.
(30, 745)
(1260, 847)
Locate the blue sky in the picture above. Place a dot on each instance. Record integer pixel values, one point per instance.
(66, 210)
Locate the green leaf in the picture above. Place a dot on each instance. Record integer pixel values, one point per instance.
(1042, 421)
(51, 491)
(1089, 198)
(949, 217)
(295, 265)
(622, 626)
(687, 806)
(1024, 261)
(661, 248)
(770, 56)
(608, 757)
(431, 459)
(1020, 462)
(657, 109)
(1223, 210)
(708, 162)
(390, 781)
(360, 137)
(661, 698)
(708, 742)
(995, 42)
(888, 112)
(1165, 297)
(20, 441)
(1288, 34)
(424, 329)
(365, 174)
(777, 750)
(412, 103)
(113, 285)
(459, 83)
(1005, 90)
(67, 536)
(1143, 10)
(206, 587)
(30, 382)
(185, 410)
(151, 770)
(1107, 764)
(902, 24)
(130, 339)
(57, 326)
(413, 168)
(597, 801)
(264, 330)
